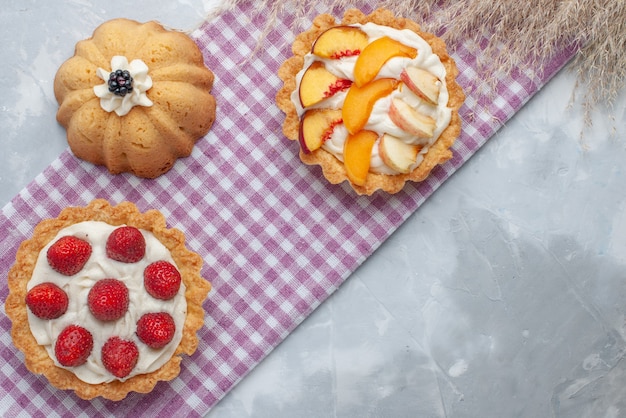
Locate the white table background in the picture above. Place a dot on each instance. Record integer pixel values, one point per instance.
(503, 295)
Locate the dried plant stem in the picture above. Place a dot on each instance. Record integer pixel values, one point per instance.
(510, 34)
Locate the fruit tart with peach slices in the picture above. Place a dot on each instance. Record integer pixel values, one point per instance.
(372, 100)
(105, 299)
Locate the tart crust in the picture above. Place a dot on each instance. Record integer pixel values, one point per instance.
(332, 168)
(189, 263)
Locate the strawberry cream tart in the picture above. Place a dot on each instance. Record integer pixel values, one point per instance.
(104, 299)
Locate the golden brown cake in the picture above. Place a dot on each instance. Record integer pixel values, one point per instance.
(104, 300)
(134, 97)
(371, 99)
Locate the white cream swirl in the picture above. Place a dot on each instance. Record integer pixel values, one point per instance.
(77, 287)
(142, 82)
(379, 120)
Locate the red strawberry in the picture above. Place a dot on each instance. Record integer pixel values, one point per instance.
(68, 255)
(126, 244)
(119, 356)
(73, 346)
(47, 301)
(108, 299)
(156, 330)
(161, 280)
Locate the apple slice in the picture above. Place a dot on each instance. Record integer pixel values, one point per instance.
(375, 55)
(424, 84)
(359, 102)
(357, 154)
(410, 120)
(397, 154)
(340, 41)
(317, 126)
(318, 84)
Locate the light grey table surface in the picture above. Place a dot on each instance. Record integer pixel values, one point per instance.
(503, 296)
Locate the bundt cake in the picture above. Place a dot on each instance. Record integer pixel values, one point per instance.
(371, 99)
(105, 299)
(134, 97)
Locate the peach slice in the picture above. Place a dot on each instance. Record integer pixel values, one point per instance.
(410, 120)
(360, 101)
(318, 84)
(424, 84)
(397, 154)
(340, 41)
(375, 55)
(357, 154)
(317, 126)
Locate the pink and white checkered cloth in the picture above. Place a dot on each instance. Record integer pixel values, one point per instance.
(276, 238)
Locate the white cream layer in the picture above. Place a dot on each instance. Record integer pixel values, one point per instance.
(142, 82)
(379, 120)
(99, 266)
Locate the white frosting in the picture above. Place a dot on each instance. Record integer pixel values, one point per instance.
(379, 120)
(141, 83)
(77, 287)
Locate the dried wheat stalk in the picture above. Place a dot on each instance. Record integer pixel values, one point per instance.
(518, 34)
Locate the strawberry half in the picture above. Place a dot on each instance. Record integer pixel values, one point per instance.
(73, 346)
(108, 299)
(47, 301)
(68, 255)
(119, 356)
(161, 280)
(126, 244)
(156, 330)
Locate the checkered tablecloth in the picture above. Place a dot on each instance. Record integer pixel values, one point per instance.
(276, 238)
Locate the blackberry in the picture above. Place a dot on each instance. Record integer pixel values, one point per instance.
(120, 82)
